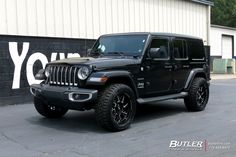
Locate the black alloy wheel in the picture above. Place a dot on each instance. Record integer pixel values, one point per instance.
(121, 108)
(202, 94)
(198, 95)
(116, 107)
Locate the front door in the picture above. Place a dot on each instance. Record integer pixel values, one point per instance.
(158, 69)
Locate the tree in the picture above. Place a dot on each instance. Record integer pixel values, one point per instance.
(224, 13)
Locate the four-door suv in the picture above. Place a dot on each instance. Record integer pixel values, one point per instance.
(121, 71)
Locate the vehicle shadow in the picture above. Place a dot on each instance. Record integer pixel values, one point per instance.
(158, 110)
(82, 122)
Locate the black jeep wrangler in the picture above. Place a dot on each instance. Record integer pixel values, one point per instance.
(121, 71)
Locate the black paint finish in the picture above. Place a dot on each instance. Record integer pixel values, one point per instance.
(148, 75)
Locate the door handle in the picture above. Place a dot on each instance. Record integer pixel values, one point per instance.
(147, 67)
(175, 67)
(168, 66)
(186, 66)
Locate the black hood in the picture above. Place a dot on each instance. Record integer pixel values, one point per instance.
(99, 63)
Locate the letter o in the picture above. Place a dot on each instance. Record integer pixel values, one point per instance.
(30, 64)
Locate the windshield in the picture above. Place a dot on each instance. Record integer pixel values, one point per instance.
(122, 45)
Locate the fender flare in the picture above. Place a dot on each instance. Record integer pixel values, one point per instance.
(94, 78)
(192, 75)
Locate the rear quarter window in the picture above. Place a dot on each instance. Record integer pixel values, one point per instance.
(196, 49)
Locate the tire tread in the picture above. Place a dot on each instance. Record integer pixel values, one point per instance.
(190, 100)
(102, 109)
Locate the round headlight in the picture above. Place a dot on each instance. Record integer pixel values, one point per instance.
(83, 73)
(47, 72)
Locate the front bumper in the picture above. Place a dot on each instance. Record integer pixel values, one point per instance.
(68, 97)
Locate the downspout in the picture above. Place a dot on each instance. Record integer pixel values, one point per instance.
(208, 24)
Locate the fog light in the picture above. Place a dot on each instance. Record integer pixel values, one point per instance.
(79, 97)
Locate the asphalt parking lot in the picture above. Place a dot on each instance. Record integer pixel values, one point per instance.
(24, 133)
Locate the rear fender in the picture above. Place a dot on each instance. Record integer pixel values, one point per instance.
(198, 72)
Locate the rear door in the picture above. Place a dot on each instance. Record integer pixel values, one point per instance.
(180, 60)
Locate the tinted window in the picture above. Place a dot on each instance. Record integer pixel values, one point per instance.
(163, 46)
(196, 48)
(180, 49)
(124, 44)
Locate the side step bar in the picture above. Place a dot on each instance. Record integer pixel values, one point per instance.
(161, 98)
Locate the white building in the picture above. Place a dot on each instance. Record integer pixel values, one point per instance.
(91, 18)
(25, 26)
(223, 42)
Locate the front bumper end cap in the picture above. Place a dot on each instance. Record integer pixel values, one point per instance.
(82, 96)
(70, 93)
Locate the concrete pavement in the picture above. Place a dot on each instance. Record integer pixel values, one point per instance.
(24, 133)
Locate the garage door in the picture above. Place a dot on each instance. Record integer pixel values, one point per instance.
(227, 47)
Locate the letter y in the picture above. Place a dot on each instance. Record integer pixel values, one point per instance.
(17, 60)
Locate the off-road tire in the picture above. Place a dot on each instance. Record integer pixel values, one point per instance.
(192, 100)
(48, 111)
(105, 109)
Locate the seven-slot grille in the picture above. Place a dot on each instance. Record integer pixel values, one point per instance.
(62, 75)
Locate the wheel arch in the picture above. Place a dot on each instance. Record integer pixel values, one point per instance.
(193, 74)
(123, 80)
(123, 77)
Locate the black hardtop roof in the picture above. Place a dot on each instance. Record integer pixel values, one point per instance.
(154, 34)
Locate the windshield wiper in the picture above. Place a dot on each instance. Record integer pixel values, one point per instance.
(116, 53)
(136, 56)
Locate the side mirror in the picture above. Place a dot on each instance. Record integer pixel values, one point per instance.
(154, 52)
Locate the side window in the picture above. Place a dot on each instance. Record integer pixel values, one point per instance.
(180, 49)
(197, 49)
(162, 48)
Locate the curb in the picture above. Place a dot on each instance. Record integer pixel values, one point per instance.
(222, 76)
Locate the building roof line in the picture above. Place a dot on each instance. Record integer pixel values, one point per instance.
(223, 27)
(206, 2)
(154, 33)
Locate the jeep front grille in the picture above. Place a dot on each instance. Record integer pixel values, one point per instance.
(62, 75)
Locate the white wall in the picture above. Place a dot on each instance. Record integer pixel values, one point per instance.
(91, 18)
(216, 39)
